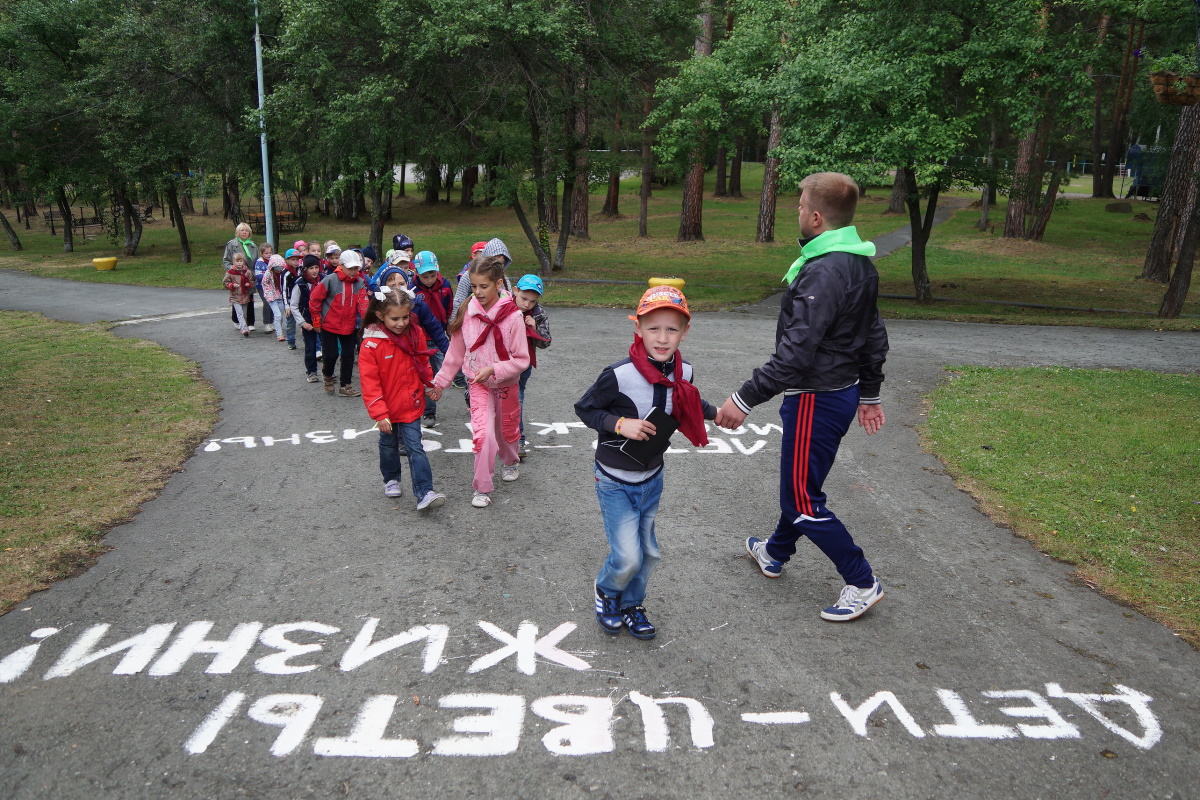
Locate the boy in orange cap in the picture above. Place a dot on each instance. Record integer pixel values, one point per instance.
(629, 478)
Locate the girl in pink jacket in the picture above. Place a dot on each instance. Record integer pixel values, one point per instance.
(487, 341)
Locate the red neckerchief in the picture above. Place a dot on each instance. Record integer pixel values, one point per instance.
(412, 344)
(244, 280)
(687, 408)
(503, 309)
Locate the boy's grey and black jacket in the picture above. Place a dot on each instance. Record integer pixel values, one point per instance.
(829, 335)
(621, 391)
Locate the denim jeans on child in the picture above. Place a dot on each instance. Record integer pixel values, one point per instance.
(435, 363)
(524, 379)
(289, 329)
(628, 512)
(277, 312)
(312, 343)
(418, 463)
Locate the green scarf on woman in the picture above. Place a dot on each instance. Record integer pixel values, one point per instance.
(246, 245)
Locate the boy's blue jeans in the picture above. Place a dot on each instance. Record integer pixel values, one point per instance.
(523, 380)
(418, 463)
(312, 343)
(628, 513)
(435, 363)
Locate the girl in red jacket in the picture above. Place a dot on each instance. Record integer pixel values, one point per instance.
(393, 366)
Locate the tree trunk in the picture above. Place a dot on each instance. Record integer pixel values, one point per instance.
(378, 210)
(1177, 291)
(433, 182)
(579, 203)
(612, 200)
(570, 147)
(235, 198)
(1027, 181)
(1173, 207)
(470, 179)
(1038, 229)
(185, 247)
(735, 167)
(720, 189)
(691, 213)
(13, 241)
(1098, 114)
(64, 209)
(1120, 117)
(543, 257)
(403, 172)
(770, 184)
(647, 175)
(896, 201)
(449, 181)
(923, 292)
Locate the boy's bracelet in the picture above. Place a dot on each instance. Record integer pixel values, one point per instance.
(618, 425)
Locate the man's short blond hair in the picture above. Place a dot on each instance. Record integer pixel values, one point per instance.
(834, 194)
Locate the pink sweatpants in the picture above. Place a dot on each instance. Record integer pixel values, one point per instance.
(496, 428)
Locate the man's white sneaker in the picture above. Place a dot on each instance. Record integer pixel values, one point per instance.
(392, 489)
(510, 473)
(853, 602)
(431, 500)
(481, 500)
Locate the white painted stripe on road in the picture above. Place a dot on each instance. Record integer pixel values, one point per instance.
(777, 718)
(165, 317)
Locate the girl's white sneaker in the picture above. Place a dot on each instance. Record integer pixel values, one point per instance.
(481, 500)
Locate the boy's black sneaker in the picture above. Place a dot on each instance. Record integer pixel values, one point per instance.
(607, 613)
(429, 421)
(635, 620)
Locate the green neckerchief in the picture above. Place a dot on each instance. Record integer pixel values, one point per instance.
(245, 243)
(841, 240)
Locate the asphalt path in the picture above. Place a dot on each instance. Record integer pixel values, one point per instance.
(272, 626)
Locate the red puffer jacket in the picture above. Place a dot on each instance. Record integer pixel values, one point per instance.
(393, 382)
(337, 303)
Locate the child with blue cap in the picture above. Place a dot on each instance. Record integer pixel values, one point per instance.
(527, 292)
(436, 293)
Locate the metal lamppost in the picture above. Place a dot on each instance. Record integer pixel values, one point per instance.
(268, 200)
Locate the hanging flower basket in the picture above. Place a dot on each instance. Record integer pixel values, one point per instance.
(1175, 89)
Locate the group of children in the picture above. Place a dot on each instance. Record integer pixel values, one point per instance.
(407, 311)
(412, 336)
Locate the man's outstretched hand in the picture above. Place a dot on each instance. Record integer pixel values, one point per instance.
(870, 417)
(729, 416)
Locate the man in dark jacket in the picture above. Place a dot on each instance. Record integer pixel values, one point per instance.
(830, 346)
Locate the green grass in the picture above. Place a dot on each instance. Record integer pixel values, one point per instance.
(1098, 468)
(1090, 258)
(95, 426)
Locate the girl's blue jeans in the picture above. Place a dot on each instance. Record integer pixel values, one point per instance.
(418, 464)
(628, 513)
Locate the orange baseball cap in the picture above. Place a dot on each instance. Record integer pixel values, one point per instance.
(657, 297)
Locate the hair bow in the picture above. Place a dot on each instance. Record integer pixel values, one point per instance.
(384, 291)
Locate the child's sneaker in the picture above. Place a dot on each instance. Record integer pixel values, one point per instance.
(510, 473)
(312, 377)
(522, 448)
(768, 566)
(349, 391)
(282, 339)
(429, 421)
(291, 345)
(250, 327)
(320, 355)
(431, 499)
(853, 602)
(329, 384)
(635, 620)
(481, 500)
(607, 612)
(392, 489)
